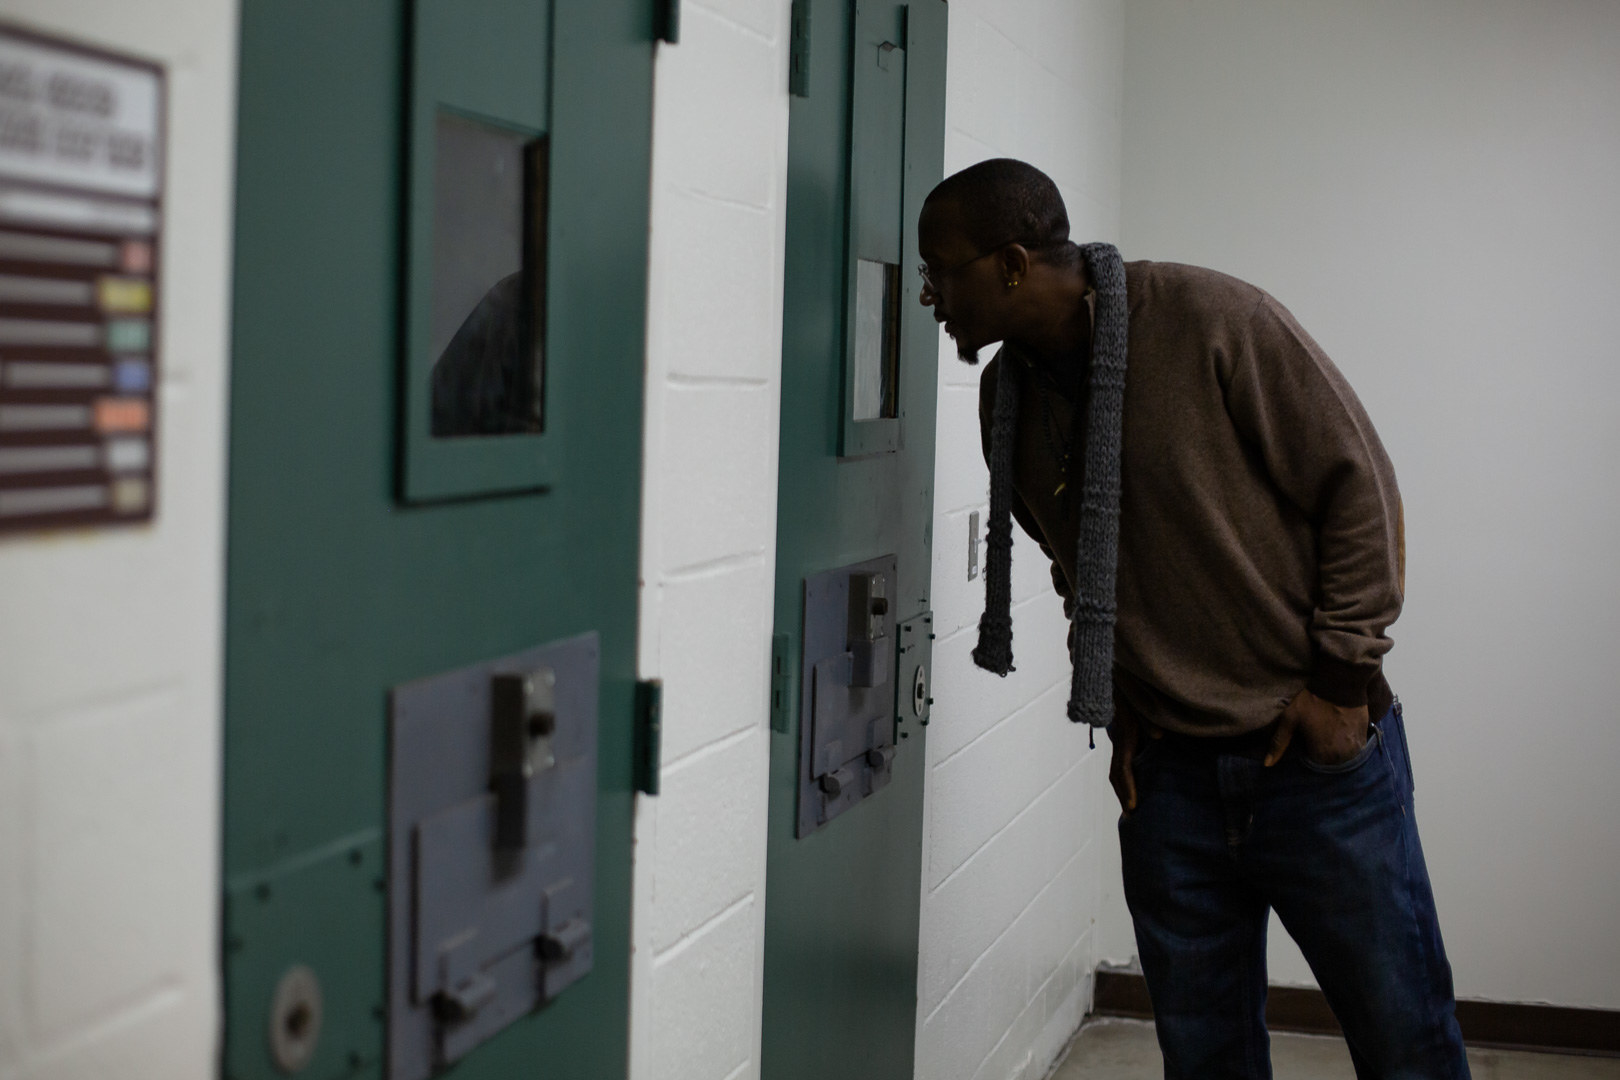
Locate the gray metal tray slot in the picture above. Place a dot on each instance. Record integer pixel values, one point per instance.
(846, 727)
(492, 822)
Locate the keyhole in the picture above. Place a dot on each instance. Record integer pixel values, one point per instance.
(298, 1021)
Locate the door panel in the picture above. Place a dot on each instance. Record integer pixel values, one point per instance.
(338, 588)
(856, 493)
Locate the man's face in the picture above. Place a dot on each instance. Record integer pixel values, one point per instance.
(966, 292)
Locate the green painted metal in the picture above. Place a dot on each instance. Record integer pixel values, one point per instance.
(877, 106)
(842, 904)
(336, 590)
(301, 909)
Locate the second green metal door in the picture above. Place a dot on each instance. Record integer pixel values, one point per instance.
(857, 460)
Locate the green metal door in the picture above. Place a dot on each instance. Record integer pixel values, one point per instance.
(378, 536)
(866, 137)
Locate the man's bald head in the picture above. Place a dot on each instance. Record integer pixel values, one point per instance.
(1001, 201)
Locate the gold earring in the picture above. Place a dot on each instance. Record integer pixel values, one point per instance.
(1012, 284)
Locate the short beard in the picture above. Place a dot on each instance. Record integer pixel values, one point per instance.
(967, 354)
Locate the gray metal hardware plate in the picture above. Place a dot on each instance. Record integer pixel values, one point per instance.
(915, 671)
(479, 934)
(846, 733)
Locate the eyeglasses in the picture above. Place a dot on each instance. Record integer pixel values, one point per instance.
(930, 279)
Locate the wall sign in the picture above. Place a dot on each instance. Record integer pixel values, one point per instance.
(81, 175)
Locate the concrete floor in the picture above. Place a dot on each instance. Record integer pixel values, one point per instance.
(1126, 1050)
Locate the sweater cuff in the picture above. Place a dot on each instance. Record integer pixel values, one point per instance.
(1341, 682)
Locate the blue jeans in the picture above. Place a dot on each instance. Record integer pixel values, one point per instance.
(1217, 841)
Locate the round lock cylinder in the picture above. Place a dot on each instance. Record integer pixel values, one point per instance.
(295, 1019)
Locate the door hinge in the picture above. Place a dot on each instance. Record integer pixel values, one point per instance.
(669, 21)
(781, 685)
(649, 734)
(799, 50)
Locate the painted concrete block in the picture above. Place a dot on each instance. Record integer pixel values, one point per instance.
(962, 477)
(961, 1031)
(1043, 1029)
(1031, 570)
(1003, 1003)
(1099, 141)
(1047, 126)
(710, 846)
(958, 599)
(718, 473)
(108, 820)
(978, 104)
(981, 790)
(966, 913)
(719, 61)
(1058, 46)
(1057, 918)
(119, 577)
(163, 1038)
(763, 17)
(969, 701)
(718, 289)
(1039, 126)
(715, 629)
(1090, 219)
(12, 837)
(703, 1020)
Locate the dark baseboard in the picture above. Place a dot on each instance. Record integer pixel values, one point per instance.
(1497, 1024)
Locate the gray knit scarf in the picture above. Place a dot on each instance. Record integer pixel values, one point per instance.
(1091, 692)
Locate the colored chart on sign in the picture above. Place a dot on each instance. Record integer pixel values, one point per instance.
(80, 214)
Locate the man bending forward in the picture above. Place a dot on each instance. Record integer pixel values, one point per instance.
(1225, 531)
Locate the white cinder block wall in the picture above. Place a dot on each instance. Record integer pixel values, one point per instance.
(110, 653)
(1010, 872)
(714, 348)
(1431, 189)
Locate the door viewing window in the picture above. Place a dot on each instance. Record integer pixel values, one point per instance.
(483, 370)
(488, 303)
(877, 340)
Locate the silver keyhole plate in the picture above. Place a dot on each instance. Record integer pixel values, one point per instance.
(919, 691)
(295, 1019)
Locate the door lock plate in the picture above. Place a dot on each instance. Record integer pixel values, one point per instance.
(492, 833)
(847, 687)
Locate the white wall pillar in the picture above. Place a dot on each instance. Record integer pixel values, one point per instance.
(714, 348)
(110, 648)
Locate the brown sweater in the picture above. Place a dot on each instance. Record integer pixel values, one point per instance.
(1260, 538)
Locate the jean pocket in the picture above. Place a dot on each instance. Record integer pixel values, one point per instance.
(1147, 748)
(1362, 756)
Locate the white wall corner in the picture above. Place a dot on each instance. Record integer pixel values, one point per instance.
(714, 336)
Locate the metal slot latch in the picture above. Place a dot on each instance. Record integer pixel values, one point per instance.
(524, 718)
(868, 629)
(492, 840)
(847, 739)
